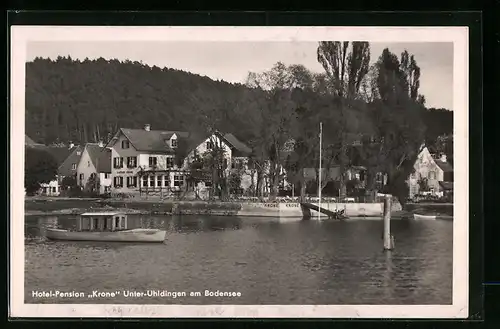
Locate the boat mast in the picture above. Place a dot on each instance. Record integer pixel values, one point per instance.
(320, 169)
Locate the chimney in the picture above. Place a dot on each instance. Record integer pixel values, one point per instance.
(147, 127)
(71, 145)
(443, 157)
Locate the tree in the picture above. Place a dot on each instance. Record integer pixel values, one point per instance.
(345, 66)
(273, 116)
(93, 184)
(234, 181)
(398, 129)
(411, 73)
(68, 182)
(40, 168)
(423, 184)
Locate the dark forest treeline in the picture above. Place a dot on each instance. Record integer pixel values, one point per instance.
(85, 101)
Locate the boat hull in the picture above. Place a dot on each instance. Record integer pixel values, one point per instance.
(134, 235)
(424, 217)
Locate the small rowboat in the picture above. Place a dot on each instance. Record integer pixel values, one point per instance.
(106, 226)
(424, 217)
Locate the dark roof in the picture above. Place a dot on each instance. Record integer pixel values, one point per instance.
(446, 185)
(59, 153)
(445, 166)
(154, 140)
(66, 168)
(104, 161)
(31, 143)
(100, 157)
(239, 146)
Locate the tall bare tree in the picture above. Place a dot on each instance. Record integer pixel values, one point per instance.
(346, 65)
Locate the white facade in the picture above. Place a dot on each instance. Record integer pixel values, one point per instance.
(159, 170)
(86, 168)
(425, 167)
(50, 189)
(104, 183)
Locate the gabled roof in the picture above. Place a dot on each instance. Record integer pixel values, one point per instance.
(75, 153)
(100, 157)
(60, 154)
(154, 140)
(241, 148)
(28, 142)
(445, 166)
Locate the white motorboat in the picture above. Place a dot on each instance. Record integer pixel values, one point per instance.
(105, 226)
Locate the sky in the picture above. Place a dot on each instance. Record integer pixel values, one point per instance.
(231, 61)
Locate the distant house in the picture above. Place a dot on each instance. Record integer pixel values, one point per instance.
(94, 165)
(432, 175)
(145, 160)
(67, 158)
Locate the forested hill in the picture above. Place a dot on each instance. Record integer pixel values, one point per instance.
(83, 101)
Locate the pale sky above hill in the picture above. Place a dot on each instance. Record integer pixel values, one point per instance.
(231, 61)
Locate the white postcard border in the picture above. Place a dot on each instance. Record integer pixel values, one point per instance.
(21, 35)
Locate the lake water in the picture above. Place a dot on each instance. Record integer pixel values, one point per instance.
(265, 261)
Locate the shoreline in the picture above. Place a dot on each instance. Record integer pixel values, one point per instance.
(76, 206)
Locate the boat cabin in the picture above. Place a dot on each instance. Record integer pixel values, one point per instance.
(102, 221)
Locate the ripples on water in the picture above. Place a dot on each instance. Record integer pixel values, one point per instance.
(303, 262)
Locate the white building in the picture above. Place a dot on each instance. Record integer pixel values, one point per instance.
(144, 161)
(94, 165)
(435, 172)
(50, 189)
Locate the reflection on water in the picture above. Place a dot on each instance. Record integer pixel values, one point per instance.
(268, 262)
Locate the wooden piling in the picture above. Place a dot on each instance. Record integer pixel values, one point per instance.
(388, 239)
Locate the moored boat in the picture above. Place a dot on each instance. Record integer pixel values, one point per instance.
(426, 217)
(105, 226)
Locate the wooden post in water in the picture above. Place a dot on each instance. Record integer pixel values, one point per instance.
(388, 241)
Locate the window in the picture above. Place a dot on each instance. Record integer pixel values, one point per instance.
(167, 180)
(118, 181)
(73, 166)
(125, 144)
(432, 175)
(210, 145)
(118, 163)
(170, 162)
(81, 176)
(225, 163)
(178, 180)
(173, 143)
(131, 162)
(159, 181)
(236, 164)
(153, 161)
(53, 189)
(144, 181)
(152, 181)
(88, 163)
(132, 181)
(106, 176)
(208, 184)
(117, 222)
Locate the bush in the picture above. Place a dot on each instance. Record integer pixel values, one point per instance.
(40, 167)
